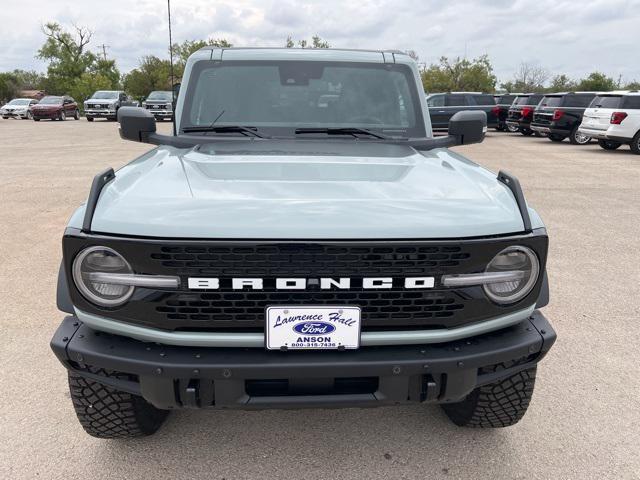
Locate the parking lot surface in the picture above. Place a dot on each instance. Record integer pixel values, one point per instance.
(583, 422)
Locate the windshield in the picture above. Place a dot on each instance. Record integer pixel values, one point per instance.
(105, 95)
(278, 97)
(606, 101)
(19, 101)
(162, 96)
(551, 102)
(51, 101)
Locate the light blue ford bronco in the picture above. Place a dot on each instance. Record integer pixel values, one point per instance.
(301, 240)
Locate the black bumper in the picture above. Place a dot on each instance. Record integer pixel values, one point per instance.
(175, 377)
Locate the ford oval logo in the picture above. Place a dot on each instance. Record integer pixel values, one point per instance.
(313, 328)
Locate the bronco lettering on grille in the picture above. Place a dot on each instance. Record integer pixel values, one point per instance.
(200, 283)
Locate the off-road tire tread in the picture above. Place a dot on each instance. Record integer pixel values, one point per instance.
(105, 412)
(499, 404)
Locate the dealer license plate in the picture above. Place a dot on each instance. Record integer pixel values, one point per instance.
(312, 327)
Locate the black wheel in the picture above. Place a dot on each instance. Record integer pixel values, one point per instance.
(76, 115)
(89, 119)
(6, 118)
(36, 119)
(635, 144)
(105, 412)
(499, 404)
(526, 132)
(62, 116)
(577, 138)
(555, 138)
(512, 128)
(608, 144)
(29, 115)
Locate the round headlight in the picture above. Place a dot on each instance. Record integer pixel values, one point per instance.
(96, 260)
(513, 259)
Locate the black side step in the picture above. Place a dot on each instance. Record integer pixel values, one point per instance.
(99, 181)
(514, 185)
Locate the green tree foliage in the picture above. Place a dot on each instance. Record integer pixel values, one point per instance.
(632, 85)
(73, 69)
(67, 54)
(152, 74)
(562, 83)
(597, 82)
(316, 42)
(459, 74)
(11, 83)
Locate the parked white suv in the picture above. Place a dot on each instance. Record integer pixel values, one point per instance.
(613, 119)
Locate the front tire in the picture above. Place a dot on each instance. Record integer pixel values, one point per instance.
(577, 138)
(89, 119)
(555, 138)
(526, 132)
(76, 115)
(609, 145)
(105, 412)
(496, 405)
(62, 116)
(635, 144)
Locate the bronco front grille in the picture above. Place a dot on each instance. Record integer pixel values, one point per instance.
(225, 309)
(309, 260)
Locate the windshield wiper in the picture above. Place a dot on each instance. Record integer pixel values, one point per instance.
(226, 128)
(342, 131)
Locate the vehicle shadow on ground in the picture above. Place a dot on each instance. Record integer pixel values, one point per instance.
(385, 442)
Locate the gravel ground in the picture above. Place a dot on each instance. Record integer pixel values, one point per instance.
(583, 421)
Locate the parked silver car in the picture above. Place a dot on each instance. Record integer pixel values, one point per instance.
(18, 108)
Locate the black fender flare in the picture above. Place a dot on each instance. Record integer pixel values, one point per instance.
(63, 298)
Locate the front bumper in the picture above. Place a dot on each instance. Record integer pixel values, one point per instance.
(198, 377)
(14, 114)
(100, 113)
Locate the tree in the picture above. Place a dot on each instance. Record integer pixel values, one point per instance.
(152, 74)
(67, 55)
(8, 87)
(635, 85)
(562, 83)
(87, 84)
(459, 74)
(597, 82)
(316, 42)
(529, 77)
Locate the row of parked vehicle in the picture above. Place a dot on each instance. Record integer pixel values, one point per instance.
(611, 118)
(102, 104)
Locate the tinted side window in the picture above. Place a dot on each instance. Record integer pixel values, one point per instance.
(506, 99)
(551, 101)
(606, 101)
(455, 101)
(580, 101)
(484, 99)
(534, 99)
(436, 101)
(631, 102)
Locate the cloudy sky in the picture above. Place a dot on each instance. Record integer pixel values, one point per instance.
(566, 36)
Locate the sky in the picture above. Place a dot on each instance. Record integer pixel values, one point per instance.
(565, 36)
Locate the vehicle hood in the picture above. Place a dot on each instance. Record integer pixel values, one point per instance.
(304, 190)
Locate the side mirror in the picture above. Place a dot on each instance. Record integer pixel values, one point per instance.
(136, 124)
(468, 126)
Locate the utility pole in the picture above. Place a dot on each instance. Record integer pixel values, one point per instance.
(104, 50)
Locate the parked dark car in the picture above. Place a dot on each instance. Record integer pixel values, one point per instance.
(442, 106)
(55, 108)
(521, 112)
(559, 115)
(504, 103)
